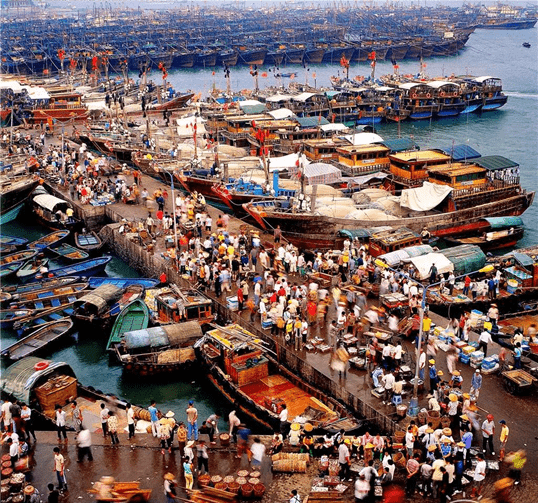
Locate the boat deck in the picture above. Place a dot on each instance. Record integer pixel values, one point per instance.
(278, 387)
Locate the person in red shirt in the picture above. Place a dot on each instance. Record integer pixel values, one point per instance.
(240, 299)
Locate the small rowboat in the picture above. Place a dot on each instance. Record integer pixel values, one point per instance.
(31, 267)
(134, 316)
(96, 282)
(49, 292)
(8, 269)
(40, 285)
(88, 241)
(10, 244)
(67, 252)
(42, 317)
(8, 317)
(48, 302)
(38, 340)
(85, 268)
(49, 240)
(21, 257)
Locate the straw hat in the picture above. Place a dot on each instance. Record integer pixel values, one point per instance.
(369, 445)
(447, 432)
(308, 427)
(460, 444)
(456, 373)
(466, 395)
(464, 417)
(446, 440)
(429, 430)
(295, 426)
(440, 373)
(432, 361)
(504, 483)
(452, 397)
(473, 407)
(432, 448)
(170, 414)
(107, 479)
(168, 476)
(190, 443)
(347, 441)
(29, 490)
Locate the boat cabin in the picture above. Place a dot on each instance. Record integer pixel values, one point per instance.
(175, 306)
(410, 168)
(51, 211)
(238, 353)
(458, 175)
(96, 303)
(323, 148)
(363, 159)
(391, 240)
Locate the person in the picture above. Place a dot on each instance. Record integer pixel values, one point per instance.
(242, 442)
(295, 498)
(212, 422)
(203, 457)
(518, 460)
(112, 423)
(189, 453)
(517, 355)
(362, 488)
(54, 495)
(277, 234)
(192, 421)
(258, 452)
(412, 467)
(234, 423)
(103, 413)
(165, 435)
(169, 487)
(388, 383)
(344, 458)
(31, 494)
(77, 416)
(181, 438)
(26, 416)
(488, 430)
(59, 468)
(483, 341)
(84, 443)
(433, 274)
(187, 472)
(60, 423)
(277, 443)
(409, 442)
(476, 384)
(13, 450)
(433, 376)
(283, 416)
(6, 416)
(505, 431)
(130, 420)
(479, 476)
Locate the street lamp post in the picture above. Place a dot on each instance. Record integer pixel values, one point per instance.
(413, 404)
(173, 208)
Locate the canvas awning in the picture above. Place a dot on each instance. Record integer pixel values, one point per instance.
(504, 222)
(399, 144)
(285, 162)
(281, 113)
(100, 298)
(252, 107)
(355, 233)
(424, 198)
(523, 259)
(360, 180)
(311, 122)
(496, 162)
(461, 152)
(50, 203)
(279, 97)
(174, 335)
(363, 138)
(424, 263)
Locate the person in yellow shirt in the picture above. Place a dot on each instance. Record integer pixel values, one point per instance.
(505, 431)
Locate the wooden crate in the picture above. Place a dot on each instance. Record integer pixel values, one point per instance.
(58, 390)
(242, 375)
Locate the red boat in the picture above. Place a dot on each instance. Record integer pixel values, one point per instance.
(64, 107)
(177, 102)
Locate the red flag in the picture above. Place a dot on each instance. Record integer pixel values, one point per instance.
(95, 63)
(372, 55)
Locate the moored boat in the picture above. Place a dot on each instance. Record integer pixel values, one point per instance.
(21, 256)
(45, 283)
(9, 269)
(31, 267)
(67, 252)
(8, 317)
(88, 241)
(13, 193)
(80, 269)
(42, 303)
(13, 242)
(39, 318)
(51, 239)
(245, 371)
(165, 349)
(134, 316)
(51, 211)
(50, 291)
(96, 282)
(176, 305)
(38, 340)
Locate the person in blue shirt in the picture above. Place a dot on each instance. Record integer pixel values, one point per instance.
(476, 384)
(153, 417)
(433, 376)
(377, 374)
(517, 356)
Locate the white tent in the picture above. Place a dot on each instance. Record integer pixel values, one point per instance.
(333, 127)
(285, 162)
(424, 198)
(424, 263)
(363, 138)
(281, 113)
(185, 126)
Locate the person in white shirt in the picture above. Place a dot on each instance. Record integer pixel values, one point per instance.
(283, 416)
(362, 488)
(388, 383)
(130, 420)
(479, 476)
(258, 452)
(6, 415)
(84, 442)
(60, 423)
(483, 341)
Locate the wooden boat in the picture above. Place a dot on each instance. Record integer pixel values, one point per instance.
(48, 302)
(9, 269)
(31, 267)
(49, 240)
(15, 290)
(245, 371)
(67, 252)
(96, 282)
(177, 102)
(61, 107)
(169, 348)
(176, 305)
(8, 317)
(53, 291)
(80, 269)
(14, 191)
(38, 340)
(90, 242)
(134, 316)
(9, 244)
(41, 317)
(21, 257)
(50, 211)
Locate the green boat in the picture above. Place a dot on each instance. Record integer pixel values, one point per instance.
(134, 316)
(67, 252)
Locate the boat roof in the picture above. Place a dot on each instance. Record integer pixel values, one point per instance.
(232, 336)
(101, 296)
(399, 144)
(281, 113)
(420, 156)
(20, 378)
(484, 78)
(410, 85)
(461, 152)
(523, 259)
(304, 96)
(436, 84)
(363, 138)
(504, 222)
(391, 236)
(312, 122)
(363, 148)
(279, 97)
(175, 334)
(252, 106)
(456, 169)
(187, 298)
(496, 162)
(49, 202)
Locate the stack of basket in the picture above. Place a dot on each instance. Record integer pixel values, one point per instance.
(290, 462)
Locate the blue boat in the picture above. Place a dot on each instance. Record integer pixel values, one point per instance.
(123, 282)
(51, 239)
(81, 269)
(11, 215)
(13, 241)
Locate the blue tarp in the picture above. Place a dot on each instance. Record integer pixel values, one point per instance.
(523, 259)
(399, 144)
(310, 122)
(504, 222)
(496, 162)
(461, 152)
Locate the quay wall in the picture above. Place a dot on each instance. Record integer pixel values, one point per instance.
(321, 386)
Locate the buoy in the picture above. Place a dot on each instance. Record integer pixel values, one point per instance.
(41, 366)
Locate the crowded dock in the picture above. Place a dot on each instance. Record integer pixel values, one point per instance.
(271, 295)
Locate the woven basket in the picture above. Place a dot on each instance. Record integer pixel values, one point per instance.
(247, 490)
(259, 490)
(223, 486)
(203, 480)
(399, 459)
(233, 487)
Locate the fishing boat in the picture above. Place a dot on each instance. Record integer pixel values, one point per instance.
(51, 239)
(96, 282)
(8, 317)
(67, 252)
(246, 371)
(134, 316)
(159, 350)
(41, 317)
(494, 234)
(38, 340)
(50, 291)
(61, 107)
(9, 269)
(21, 257)
(177, 102)
(51, 211)
(88, 241)
(15, 290)
(455, 199)
(14, 191)
(526, 44)
(47, 302)
(81, 269)
(31, 267)
(9, 244)
(176, 305)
